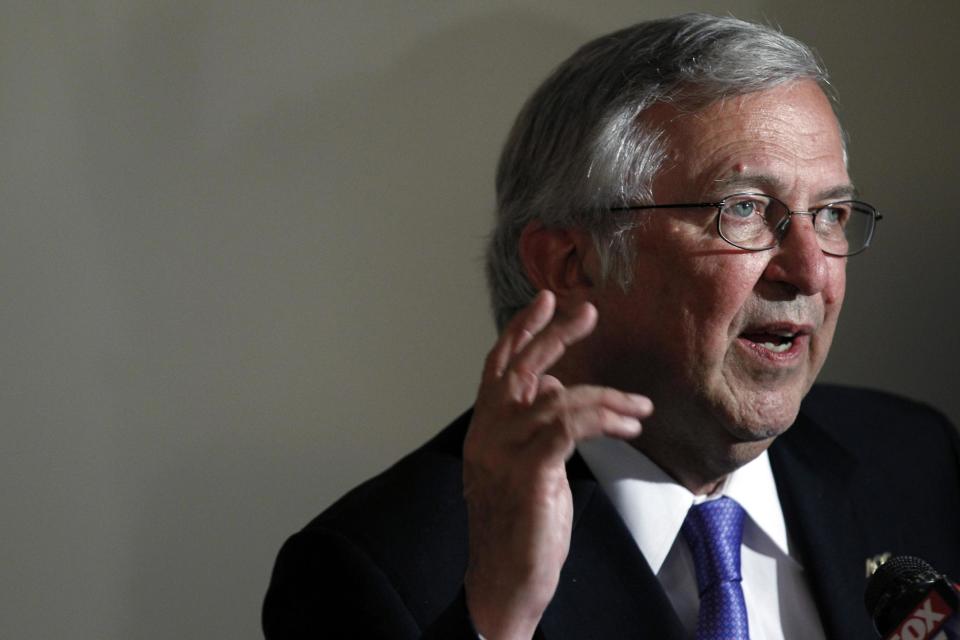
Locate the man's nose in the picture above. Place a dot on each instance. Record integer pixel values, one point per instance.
(798, 260)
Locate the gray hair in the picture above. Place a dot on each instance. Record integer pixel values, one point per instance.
(581, 143)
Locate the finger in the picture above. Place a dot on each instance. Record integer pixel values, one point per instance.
(526, 333)
(533, 387)
(549, 345)
(584, 423)
(549, 385)
(518, 333)
(583, 396)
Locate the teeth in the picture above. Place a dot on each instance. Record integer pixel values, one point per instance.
(776, 348)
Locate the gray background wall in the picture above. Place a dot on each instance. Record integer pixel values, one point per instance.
(240, 265)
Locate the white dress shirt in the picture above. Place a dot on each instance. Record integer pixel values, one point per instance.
(653, 506)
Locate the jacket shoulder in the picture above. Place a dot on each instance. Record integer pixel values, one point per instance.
(388, 555)
(426, 483)
(859, 417)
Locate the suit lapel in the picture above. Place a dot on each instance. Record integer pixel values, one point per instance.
(812, 474)
(607, 589)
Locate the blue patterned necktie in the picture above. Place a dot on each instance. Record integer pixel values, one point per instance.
(713, 531)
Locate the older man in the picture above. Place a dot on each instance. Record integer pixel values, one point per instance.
(677, 193)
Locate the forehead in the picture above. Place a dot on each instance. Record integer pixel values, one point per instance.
(786, 139)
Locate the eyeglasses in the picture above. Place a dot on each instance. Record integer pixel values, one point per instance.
(758, 222)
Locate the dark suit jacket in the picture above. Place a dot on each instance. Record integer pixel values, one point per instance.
(860, 473)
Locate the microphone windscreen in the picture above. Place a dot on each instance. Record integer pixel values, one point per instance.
(895, 588)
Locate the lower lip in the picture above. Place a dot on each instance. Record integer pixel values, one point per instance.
(790, 356)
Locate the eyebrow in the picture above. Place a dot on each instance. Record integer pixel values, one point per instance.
(773, 185)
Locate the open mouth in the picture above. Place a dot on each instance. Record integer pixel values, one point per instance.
(774, 341)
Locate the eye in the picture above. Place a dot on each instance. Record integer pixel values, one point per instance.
(834, 214)
(746, 206)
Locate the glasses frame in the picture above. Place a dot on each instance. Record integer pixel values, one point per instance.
(781, 229)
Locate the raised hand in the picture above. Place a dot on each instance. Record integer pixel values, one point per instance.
(525, 426)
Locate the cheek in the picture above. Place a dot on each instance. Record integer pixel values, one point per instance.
(837, 286)
(689, 292)
(833, 302)
(723, 287)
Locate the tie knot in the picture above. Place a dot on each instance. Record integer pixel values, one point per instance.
(714, 530)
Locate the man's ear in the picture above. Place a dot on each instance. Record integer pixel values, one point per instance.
(561, 260)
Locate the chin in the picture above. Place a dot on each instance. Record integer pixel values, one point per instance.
(759, 416)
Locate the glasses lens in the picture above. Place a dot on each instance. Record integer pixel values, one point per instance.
(749, 220)
(844, 228)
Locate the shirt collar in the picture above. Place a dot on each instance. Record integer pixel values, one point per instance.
(653, 505)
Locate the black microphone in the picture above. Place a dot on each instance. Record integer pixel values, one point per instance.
(909, 600)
